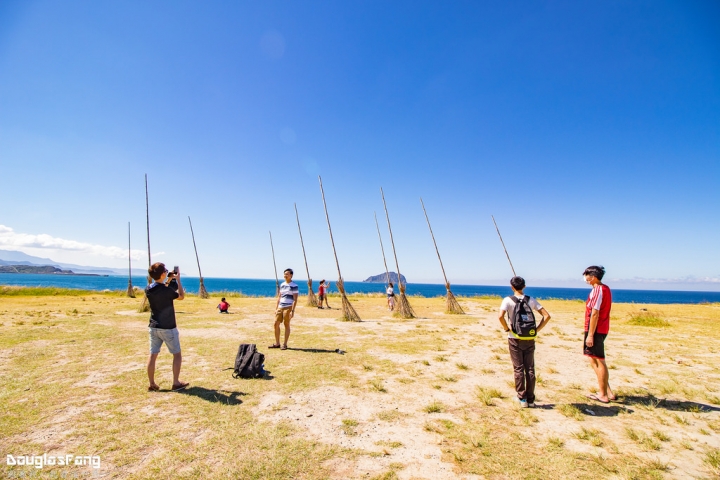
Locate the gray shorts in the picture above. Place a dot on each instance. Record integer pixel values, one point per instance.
(170, 337)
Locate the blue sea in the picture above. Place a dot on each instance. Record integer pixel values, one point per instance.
(266, 288)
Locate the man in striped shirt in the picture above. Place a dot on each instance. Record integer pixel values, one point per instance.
(597, 326)
(285, 308)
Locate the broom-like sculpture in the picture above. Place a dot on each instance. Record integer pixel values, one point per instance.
(404, 309)
(503, 245)
(452, 304)
(311, 300)
(145, 307)
(277, 282)
(202, 293)
(349, 313)
(382, 249)
(130, 290)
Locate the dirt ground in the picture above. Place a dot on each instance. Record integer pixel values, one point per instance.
(430, 397)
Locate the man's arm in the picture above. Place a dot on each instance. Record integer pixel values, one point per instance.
(594, 317)
(545, 319)
(181, 290)
(502, 321)
(292, 310)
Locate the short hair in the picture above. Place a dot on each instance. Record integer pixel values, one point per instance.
(518, 283)
(322, 281)
(390, 283)
(289, 270)
(222, 299)
(597, 271)
(156, 270)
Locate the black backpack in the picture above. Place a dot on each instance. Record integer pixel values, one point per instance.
(249, 362)
(522, 322)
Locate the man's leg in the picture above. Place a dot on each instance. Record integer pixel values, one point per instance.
(278, 321)
(177, 363)
(518, 367)
(286, 321)
(529, 366)
(151, 369)
(601, 371)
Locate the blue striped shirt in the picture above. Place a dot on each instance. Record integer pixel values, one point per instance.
(287, 290)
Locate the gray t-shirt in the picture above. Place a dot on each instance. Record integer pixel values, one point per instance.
(508, 306)
(287, 290)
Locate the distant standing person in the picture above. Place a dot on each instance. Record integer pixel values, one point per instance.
(285, 308)
(322, 294)
(522, 349)
(223, 306)
(597, 326)
(163, 328)
(390, 296)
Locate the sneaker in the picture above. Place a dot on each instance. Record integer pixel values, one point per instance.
(531, 404)
(523, 403)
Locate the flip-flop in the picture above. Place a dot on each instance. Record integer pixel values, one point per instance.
(182, 386)
(277, 345)
(284, 347)
(153, 388)
(597, 399)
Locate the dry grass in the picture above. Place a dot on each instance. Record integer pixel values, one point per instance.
(73, 369)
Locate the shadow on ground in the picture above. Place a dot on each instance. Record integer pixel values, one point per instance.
(214, 396)
(650, 401)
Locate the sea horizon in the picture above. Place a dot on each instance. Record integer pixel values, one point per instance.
(266, 288)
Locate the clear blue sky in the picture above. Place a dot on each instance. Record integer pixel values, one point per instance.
(591, 130)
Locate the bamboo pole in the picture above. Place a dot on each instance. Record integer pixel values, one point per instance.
(145, 307)
(203, 292)
(130, 290)
(349, 312)
(452, 305)
(382, 249)
(503, 245)
(404, 308)
(277, 282)
(311, 300)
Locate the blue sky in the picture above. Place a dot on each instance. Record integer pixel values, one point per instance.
(590, 130)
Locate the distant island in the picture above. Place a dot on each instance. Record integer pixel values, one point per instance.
(43, 269)
(382, 278)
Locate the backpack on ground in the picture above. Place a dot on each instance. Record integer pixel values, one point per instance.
(522, 322)
(249, 362)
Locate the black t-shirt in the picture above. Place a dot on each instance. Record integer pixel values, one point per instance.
(162, 311)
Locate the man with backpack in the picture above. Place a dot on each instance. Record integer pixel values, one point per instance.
(521, 338)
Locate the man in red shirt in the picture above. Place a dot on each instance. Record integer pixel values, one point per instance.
(597, 326)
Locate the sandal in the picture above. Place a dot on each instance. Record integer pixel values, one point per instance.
(277, 345)
(153, 388)
(284, 347)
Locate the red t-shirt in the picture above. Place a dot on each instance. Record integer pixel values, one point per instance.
(600, 299)
(321, 289)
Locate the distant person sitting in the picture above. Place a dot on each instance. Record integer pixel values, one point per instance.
(223, 306)
(163, 328)
(390, 297)
(322, 294)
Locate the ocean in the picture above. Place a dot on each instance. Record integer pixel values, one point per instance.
(266, 288)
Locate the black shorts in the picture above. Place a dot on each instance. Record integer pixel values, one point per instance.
(598, 348)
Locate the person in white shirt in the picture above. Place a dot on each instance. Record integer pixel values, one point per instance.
(390, 297)
(285, 308)
(522, 349)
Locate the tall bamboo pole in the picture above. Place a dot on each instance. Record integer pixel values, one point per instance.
(145, 307)
(452, 305)
(202, 293)
(503, 245)
(311, 300)
(277, 282)
(349, 312)
(382, 249)
(130, 290)
(404, 308)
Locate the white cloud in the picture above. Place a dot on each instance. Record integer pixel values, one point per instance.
(15, 241)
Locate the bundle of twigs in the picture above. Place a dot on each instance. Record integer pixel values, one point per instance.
(130, 289)
(349, 313)
(403, 308)
(311, 299)
(203, 292)
(145, 306)
(452, 304)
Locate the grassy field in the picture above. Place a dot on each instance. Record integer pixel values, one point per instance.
(426, 398)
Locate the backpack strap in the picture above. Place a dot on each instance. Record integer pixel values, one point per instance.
(513, 298)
